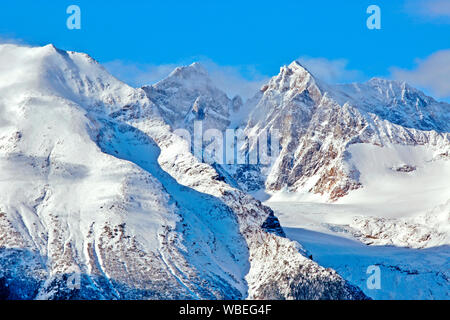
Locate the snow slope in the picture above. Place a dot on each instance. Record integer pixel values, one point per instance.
(405, 273)
(396, 192)
(331, 235)
(83, 211)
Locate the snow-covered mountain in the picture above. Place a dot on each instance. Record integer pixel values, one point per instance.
(382, 144)
(99, 199)
(374, 156)
(319, 123)
(96, 185)
(188, 94)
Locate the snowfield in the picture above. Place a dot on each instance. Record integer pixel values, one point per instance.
(391, 191)
(405, 273)
(399, 221)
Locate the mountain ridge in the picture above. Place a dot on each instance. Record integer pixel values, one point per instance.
(97, 190)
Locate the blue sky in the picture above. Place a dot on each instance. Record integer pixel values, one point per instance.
(244, 42)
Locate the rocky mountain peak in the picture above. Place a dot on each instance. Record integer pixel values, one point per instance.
(187, 72)
(296, 66)
(318, 122)
(294, 79)
(189, 94)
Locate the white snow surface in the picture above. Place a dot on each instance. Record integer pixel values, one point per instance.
(398, 221)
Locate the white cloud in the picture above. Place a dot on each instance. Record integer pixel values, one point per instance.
(236, 80)
(331, 71)
(136, 74)
(434, 9)
(431, 74)
(10, 40)
(242, 80)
